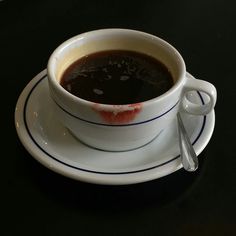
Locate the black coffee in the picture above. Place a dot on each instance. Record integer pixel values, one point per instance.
(117, 77)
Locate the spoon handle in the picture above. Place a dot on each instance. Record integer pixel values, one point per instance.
(188, 156)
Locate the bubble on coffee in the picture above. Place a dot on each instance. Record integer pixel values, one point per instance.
(117, 77)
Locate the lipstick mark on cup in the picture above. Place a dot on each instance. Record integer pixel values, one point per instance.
(118, 114)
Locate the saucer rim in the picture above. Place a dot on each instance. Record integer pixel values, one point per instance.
(91, 176)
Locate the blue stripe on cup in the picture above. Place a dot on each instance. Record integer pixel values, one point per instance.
(129, 124)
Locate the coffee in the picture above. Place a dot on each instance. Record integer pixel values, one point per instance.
(117, 77)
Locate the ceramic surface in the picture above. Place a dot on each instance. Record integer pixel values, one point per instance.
(128, 126)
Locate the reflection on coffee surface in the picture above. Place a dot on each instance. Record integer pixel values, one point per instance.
(117, 77)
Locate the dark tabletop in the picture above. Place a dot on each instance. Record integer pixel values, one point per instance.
(37, 201)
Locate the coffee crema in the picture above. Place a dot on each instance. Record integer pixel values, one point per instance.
(117, 77)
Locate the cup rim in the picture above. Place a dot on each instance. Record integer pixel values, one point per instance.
(66, 43)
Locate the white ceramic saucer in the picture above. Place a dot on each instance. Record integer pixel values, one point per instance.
(49, 142)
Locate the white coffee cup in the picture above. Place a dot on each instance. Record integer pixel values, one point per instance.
(123, 127)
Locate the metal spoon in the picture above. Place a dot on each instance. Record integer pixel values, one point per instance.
(187, 154)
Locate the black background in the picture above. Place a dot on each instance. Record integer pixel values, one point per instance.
(36, 201)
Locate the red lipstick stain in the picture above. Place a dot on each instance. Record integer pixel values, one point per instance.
(118, 114)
